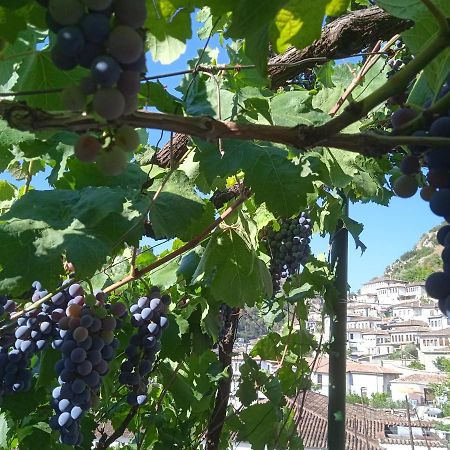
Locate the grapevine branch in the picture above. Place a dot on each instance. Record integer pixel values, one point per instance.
(397, 83)
(301, 136)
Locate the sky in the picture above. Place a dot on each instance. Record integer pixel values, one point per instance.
(388, 231)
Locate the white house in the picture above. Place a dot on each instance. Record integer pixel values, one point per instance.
(371, 377)
(416, 386)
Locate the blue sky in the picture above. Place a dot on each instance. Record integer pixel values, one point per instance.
(388, 231)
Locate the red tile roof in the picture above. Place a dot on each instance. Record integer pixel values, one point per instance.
(421, 378)
(365, 426)
(354, 367)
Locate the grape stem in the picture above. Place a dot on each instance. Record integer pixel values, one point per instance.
(370, 62)
(188, 246)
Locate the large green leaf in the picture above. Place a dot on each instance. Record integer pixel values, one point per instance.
(169, 27)
(86, 226)
(176, 207)
(232, 270)
(273, 178)
(295, 107)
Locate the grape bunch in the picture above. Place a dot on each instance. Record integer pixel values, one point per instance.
(148, 315)
(289, 247)
(400, 56)
(107, 37)
(436, 189)
(436, 159)
(87, 344)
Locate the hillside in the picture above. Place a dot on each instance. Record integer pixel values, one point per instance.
(418, 263)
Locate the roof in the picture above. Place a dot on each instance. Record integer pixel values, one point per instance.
(421, 378)
(363, 319)
(380, 279)
(372, 331)
(443, 332)
(414, 304)
(365, 426)
(322, 366)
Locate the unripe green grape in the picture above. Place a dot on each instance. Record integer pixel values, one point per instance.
(108, 103)
(66, 12)
(127, 138)
(73, 98)
(87, 148)
(114, 162)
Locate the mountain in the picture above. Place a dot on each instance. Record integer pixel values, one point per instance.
(418, 263)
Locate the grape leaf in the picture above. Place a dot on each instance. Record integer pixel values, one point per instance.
(294, 108)
(7, 190)
(176, 207)
(4, 430)
(272, 177)
(167, 31)
(86, 225)
(239, 279)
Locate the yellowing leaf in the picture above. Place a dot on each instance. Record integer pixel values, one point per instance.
(298, 24)
(336, 7)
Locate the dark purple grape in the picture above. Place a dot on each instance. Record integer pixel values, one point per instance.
(61, 60)
(70, 40)
(440, 203)
(437, 285)
(105, 71)
(95, 27)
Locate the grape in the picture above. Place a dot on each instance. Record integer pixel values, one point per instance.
(66, 12)
(131, 13)
(88, 85)
(73, 98)
(444, 306)
(131, 104)
(401, 117)
(417, 149)
(95, 27)
(440, 127)
(113, 163)
(138, 66)
(410, 165)
(98, 5)
(61, 60)
(80, 334)
(440, 203)
(127, 138)
(105, 71)
(125, 44)
(438, 178)
(442, 234)
(405, 186)
(108, 103)
(70, 40)
(90, 52)
(52, 24)
(129, 82)
(437, 285)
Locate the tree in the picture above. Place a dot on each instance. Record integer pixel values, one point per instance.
(268, 139)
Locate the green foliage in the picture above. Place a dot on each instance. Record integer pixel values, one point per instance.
(95, 221)
(376, 400)
(416, 365)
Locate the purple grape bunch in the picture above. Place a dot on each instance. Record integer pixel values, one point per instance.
(149, 316)
(288, 247)
(87, 345)
(108, 38)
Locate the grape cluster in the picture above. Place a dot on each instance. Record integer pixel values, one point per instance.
(87, 344)
(436, 189)
(436, 159)
(148, 315)
(107, 37)
(288, 247)
(400, 57)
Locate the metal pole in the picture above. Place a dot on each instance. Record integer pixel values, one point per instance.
(338, 339)
(411, 437)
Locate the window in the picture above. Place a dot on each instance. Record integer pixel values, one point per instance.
(319, 380)
(351, 335)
